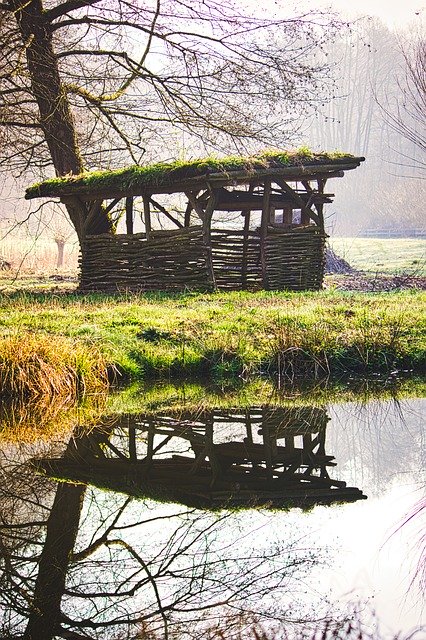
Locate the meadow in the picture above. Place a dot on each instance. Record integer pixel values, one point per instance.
(49, 333)
(219, 335)
(383, 255)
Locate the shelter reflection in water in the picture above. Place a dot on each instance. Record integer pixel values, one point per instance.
(234, 458)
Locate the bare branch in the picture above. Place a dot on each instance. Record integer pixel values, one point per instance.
(67, 7)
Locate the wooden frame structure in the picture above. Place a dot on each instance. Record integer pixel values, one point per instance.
(286, 250)
(279, 461)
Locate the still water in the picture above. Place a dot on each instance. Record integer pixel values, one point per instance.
(175, 521)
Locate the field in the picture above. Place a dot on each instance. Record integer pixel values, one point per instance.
(383, 255)
(350, 327)
(224, 334)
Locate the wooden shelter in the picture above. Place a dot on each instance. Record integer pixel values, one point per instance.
(267, 457)
(276, 239)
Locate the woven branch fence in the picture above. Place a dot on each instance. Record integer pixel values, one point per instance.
(295, 259)
(174, 260)
(169, 260)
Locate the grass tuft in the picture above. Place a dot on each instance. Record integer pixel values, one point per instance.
(34, 365)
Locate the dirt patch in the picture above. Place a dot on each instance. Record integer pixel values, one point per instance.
(358, 281)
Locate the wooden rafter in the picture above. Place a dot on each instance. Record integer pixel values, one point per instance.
(168, 215)
(297, 199)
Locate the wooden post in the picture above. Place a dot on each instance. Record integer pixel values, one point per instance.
(147, 216)
(132, 443)
(187, 220)
(319, 207)
(264, 230)
(207, 224)
(287, 216)
(244, 265)
(129, 214)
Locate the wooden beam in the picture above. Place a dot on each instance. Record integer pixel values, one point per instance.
(168, 215)
(192, 198)
(321, 182)
(111, 205)
(207, 223)
(264, 229)
(187, 219)
(129, 214)
(299, 201)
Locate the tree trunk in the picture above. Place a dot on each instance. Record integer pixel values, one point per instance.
(61, 534)
(61, 247)
(62, 529)
(56, 119)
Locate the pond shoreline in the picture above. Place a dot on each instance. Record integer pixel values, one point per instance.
(221, 336)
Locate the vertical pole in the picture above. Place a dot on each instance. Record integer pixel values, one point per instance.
(132, 443)
(187, 220)
(264, 230)
(207, 236)
(129, 214)
(147, 216)
(244, 266)
(319, 207)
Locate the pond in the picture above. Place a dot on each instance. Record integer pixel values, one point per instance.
(181, 513)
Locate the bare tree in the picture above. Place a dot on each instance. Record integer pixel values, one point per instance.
(407, 114)
(90, 83)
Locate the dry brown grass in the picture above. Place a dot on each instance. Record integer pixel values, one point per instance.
(50, 367)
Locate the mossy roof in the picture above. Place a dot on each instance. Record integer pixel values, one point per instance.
(178, 175)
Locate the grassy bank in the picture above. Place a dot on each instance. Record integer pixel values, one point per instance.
(37, 365)
(227, 335)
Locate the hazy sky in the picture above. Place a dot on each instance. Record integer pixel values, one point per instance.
(393, 12)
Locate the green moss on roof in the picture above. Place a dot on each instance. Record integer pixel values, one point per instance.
(165, 173)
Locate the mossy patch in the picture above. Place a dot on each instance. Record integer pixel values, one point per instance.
(164, 173)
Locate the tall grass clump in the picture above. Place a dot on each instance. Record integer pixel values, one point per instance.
(34, 366)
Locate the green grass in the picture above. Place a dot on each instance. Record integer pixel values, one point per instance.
(226, 335)
(384, 255)
(175, 398)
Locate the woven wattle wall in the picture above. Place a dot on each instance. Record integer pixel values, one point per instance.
(174, 260)
(170, 260)
(295, 259)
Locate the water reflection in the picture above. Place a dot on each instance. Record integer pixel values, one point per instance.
(94, 556)
(269, 457)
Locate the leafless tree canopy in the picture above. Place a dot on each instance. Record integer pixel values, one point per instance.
(409, 117)
(108, 80)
